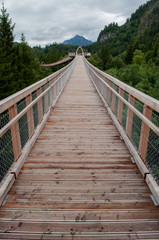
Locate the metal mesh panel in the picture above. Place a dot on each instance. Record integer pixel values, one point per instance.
(23, 124)
(152, 157)
(4, 119)
(6, 149)
(137, 123)
(136, 130)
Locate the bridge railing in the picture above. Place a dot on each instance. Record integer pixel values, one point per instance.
(136, 116)
(22, 117)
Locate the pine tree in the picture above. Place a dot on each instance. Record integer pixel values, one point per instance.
(105, 55)
(7, 83)
(26, 63)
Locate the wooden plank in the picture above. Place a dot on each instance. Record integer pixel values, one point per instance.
(78, 215)
(76, 228)
(100, 236)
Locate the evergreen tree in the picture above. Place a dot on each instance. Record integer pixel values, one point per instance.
(26, 64)
(7, 84)
(105, 55)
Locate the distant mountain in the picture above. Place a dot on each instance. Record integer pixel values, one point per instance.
(78, 41)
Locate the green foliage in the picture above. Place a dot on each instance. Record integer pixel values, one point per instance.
(138, 57)
(27, 65)
(6, 31)
(95, 60)
(105, 55)
(117, 62)
(133, 52)
(20, 65)
(6, 54)
(108, 31)
(144, 77)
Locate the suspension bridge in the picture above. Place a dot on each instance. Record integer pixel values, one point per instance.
(79, 159)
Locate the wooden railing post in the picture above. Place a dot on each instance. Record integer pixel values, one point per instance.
(28, 100)
(114, 98)
(51, 94)
(15, 134)
(46, 99)
(130, 115)
(120, 106)
(39, 103)
(109, 93)
(145, 130)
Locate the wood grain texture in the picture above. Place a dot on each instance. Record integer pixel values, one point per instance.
(79, 181)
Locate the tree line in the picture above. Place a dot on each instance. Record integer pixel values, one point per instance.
(20, 64)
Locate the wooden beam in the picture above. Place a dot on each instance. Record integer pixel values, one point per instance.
(30, 120)
(114, 98)
(39, 103)
(145, 130)
(130, 115)
(13, 99)
(15, 134)
(146, 99)
(120, 106)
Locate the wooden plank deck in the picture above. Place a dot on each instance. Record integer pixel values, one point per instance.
(79, 182)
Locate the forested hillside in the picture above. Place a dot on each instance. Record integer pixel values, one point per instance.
(131, 52)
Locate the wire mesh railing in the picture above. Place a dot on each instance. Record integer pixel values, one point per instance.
(137, 113)
(22, 113)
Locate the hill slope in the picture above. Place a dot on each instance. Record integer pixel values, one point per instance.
(131, 52)
(142, 27)
(78, 41)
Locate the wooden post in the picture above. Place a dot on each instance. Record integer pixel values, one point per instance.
(39, 103)
(109, 93)
(104, 92)
(120, 106)
(46, 98)
(145, 130)
(15, 134)
(130, 115)
(51, 94)
(30, 120)
(114, 98)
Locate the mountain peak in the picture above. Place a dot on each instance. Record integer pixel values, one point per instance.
(78, 41)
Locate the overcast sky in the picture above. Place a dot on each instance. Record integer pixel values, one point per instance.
(47, 21)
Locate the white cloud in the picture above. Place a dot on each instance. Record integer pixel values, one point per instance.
(44, 22)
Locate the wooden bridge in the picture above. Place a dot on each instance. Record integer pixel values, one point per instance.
(71, 56)
(78, 169)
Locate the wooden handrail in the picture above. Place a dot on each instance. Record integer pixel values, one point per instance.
(13, 99)
(146, 99)
(142, 151)
(47, 92)
(130, 106)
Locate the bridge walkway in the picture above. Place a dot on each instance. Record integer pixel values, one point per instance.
(79, 181)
